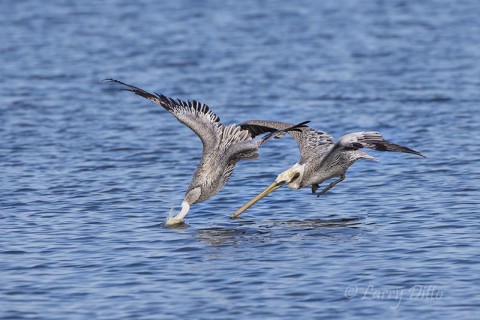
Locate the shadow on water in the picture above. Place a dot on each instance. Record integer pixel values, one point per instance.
(311, 224)
(343, 229)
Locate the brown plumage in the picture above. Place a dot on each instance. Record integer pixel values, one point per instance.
(320, 157)
(223, 146)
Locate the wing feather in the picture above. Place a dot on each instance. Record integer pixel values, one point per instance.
(311, 142)
(194, 114)
(372, 140)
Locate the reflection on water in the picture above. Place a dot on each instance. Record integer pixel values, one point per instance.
(309, 224)
(225, 237)
(252, 233)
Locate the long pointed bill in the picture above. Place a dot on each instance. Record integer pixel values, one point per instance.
(274, 186)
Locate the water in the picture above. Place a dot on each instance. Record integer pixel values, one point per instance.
(89, 173)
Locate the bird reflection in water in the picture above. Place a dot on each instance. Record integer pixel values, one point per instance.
(343, 229)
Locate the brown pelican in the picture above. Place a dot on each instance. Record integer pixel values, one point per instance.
(223, 146)
(320, 157)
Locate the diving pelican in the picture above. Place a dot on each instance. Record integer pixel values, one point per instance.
(223, 146)
(320, 157)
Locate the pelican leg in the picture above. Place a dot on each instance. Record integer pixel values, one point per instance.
(331, 185)
(315, 187)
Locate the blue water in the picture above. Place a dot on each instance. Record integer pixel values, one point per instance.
(89, 173)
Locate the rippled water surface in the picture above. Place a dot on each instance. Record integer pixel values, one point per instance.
(89, 173)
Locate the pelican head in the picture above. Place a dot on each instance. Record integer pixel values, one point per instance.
(192, 196)
(291, 177)
(179, 218)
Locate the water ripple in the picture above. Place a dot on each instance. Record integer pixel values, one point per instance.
(89, 174)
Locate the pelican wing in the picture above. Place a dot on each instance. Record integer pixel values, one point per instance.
(372, 140)
(195, 115)
(310, 142)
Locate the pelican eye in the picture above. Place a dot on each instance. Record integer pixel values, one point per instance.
(295, 176)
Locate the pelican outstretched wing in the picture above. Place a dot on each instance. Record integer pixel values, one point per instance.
(372, 140)
(311, 143)
(195, 115)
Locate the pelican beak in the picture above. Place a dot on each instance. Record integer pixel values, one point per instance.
(274, 186)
